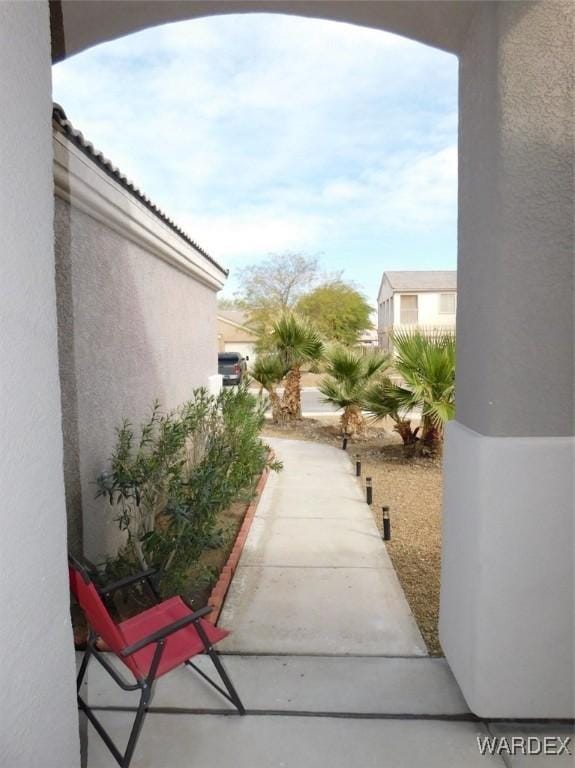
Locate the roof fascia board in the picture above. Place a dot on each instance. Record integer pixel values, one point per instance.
(88, 188)
(385, 278)
(245, 328)
(425, 290)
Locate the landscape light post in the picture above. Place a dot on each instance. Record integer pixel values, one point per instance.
(386, 524)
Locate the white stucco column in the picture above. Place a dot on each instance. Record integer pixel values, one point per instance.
(38, 717)
(507, 604)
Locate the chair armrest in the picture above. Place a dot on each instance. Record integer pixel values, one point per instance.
(107, 589)
(166, 631)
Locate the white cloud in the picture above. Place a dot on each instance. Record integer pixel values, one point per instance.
(415, 195)
(261, 133)
(421, 192)
(254, 232)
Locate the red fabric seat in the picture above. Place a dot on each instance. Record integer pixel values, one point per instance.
(173, 632)
(179, 647)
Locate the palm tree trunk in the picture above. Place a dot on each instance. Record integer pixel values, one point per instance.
(352, 421)
(407, 434)
(430, 436)
(291, 403)
(277, 414)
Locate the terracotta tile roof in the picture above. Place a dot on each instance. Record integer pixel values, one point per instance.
(60, 118)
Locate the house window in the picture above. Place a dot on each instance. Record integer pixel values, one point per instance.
(447, 303)
(408, 310)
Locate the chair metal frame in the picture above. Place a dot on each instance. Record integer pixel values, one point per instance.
(145, 684)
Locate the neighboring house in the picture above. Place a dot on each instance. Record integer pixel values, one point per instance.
(426, 300)
(137, 308)
(235, 334)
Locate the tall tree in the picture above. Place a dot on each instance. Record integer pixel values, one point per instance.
(278, 281)
(338, 310)
(224, 302)
(274, 285)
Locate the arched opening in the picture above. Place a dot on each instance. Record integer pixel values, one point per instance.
(259, 134)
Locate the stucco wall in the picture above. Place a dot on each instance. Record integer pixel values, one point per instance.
(132, 328)
(515, 373)
(507, 618)
(38, 718)
(507, 622)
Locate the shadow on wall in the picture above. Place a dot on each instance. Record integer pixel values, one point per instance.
(63, 260)
(101, 338)
(132, 328)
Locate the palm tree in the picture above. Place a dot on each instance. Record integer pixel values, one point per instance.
(295, 342)
(426, 362)
(384, 398)
(268, 370)
(349, 371)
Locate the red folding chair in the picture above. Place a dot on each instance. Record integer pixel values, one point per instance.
(150, 644)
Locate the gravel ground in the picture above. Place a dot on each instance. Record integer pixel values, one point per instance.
(412, 489)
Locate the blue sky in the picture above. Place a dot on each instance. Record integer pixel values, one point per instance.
(264, 133)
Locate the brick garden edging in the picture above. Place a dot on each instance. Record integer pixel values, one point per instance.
(220, 590)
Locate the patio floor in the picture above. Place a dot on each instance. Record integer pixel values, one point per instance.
(310, 712)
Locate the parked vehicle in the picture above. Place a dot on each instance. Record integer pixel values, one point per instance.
(232, 366)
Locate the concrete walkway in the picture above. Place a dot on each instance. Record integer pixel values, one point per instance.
(315, 577)
(325, 654)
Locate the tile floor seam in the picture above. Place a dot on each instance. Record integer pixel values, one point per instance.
(325, 655)
(318, 567)
(463, 717)
(310, 517)
(504, 759)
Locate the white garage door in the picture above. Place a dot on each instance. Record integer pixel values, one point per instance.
(245, 348)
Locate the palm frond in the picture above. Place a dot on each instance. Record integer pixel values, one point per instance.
(268, 370)
(343, 364)
(348, 373)
(338, 393)
(376, 362)
(426, 362)
(295, 340)
(385, 398)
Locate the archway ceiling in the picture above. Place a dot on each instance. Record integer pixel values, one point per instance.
(77, 25)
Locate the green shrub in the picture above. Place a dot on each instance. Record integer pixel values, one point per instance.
(170, 482)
